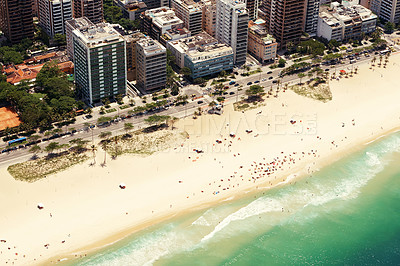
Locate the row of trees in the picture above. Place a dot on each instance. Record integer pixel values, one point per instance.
(53, 101)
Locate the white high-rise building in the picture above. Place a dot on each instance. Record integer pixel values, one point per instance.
(53, 14)
(100, 62)
(389, 10)
(232, 27)
(311, 17)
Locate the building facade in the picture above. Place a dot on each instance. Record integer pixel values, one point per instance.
(16, 20)
(388, 10)
(190, 12)
(284, 20)
(92, 9)
(53, 15)
(311, 14)
(151, 61)
(262, 45)
(343, 23)
(131, 64)
(232, 27)
(100, 62)
(209, 20)
(252, 8)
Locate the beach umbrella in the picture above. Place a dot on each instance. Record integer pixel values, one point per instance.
(232, 134)
(122, 186)
(40, 206)
(342, 71)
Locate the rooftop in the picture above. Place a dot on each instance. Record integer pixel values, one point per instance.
(151, 46)
(79, 22)
(337, 12)
(98, 35)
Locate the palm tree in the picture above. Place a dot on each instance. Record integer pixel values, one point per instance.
(173, 119)
(104, 135)
(373, 61)
(128, 127)
(35, 149)
(301, 75)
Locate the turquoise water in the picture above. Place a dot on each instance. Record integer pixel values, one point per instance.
(347, 213)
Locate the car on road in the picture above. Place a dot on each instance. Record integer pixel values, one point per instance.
(232, 82)
(270, 77)
(367, 55)
(231, 93)
(249, 83)
(326, 69)
(269, 72)
(257, 81)
(352, 61)
(237, 84)
(200, 102)
(263, 79)
(225, 93)
(275, 81)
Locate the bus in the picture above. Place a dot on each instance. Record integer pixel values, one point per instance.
(16, 141)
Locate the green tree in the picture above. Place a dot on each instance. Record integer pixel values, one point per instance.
(186, 71)
(35, 150)
(103, 119)
(199, 81)
(281, 62)
(332, 44)
(389, 27)
(52, 146)
(60, 39)
(254, 93)
(112, 14)
(157, 119)
(128, 127)
(104, 136)
(301, 75)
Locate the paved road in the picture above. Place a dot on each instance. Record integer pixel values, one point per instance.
(177, 111)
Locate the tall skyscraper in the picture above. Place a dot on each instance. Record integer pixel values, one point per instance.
(100, 62)
(311, 17)
(16, 19)
(252, 8)
(92, 9)
(151, 60)
(285, 20)
(190, 12)
(388, 10)
(53, 14)
(232, 27)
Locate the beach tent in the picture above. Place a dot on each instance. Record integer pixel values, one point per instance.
(40, 206)
(342, 71)
(122, 186)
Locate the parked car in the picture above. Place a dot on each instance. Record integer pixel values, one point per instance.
(236, 84)
(231, 93)
(200, 102)
(232, 82)
(270, 77)
(269, 72)
(275, 81)
(257, 81)
(249, 83)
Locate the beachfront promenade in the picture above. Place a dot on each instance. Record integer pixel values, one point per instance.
(177, 111)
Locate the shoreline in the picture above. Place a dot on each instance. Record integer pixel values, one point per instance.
(124, 234)
(88, 210)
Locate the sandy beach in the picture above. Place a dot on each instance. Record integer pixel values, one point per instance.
(85, 209)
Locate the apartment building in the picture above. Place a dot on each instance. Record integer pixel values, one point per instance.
(190, 12)
(261, 45)
(252, 8)
(232, 27)
(131, 62)
(100, 62)
(310, 19)
(202, 54)
(72, 25)
(131, 9)
(343, 23)
(92, 9)
(209, 20)
(151, 58)
(53, 15)
(284, 20)
(155, 22)
(16, 21)
(388, 10)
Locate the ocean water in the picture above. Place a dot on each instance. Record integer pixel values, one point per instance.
(345, 214)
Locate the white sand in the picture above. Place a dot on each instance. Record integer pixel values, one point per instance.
(85, 207)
